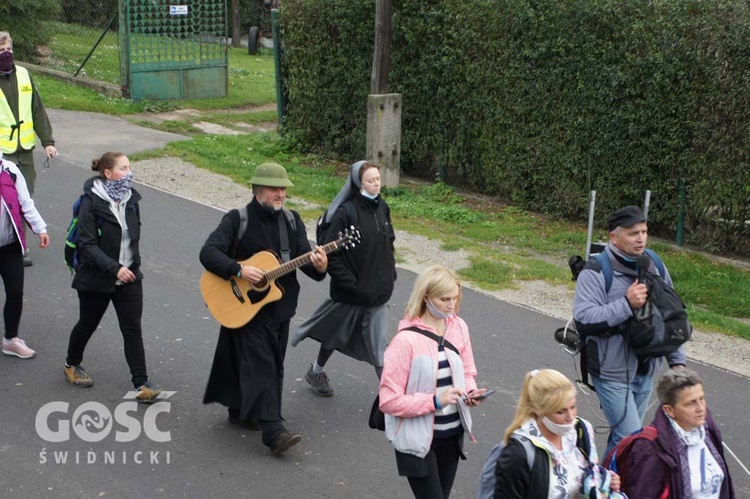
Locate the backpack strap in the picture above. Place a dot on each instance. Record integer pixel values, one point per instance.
(290, 218)
(241, 229)
(529, 447)
(657, 261)
(351, 212)
(606, 267)
(438, 339)
(583, 440)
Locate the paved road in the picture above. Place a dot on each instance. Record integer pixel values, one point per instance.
(202, 455)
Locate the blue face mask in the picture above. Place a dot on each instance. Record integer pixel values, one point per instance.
(367, 194)
(435, 312)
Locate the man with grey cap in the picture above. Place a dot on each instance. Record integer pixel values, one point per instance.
(602, 310)
(248, 369)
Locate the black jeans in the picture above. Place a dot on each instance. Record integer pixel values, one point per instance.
(11, 270)
(128, 302)
(442, 464)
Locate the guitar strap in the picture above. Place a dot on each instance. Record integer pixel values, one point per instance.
(284, 240)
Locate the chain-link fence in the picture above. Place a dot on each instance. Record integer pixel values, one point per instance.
(83, 41)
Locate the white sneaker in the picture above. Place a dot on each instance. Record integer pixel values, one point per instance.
(17, 347)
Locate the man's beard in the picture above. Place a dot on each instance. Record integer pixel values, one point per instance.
(272, 207)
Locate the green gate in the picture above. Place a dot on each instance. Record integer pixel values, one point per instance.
(173, 49)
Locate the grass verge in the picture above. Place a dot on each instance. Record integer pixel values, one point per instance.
(508, 244)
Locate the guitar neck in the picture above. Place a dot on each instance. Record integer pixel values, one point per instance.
(298, 262)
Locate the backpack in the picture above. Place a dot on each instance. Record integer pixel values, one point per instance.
(71, 240)
(321, 227)
(487, 480)
(659, 327)
(618, 459)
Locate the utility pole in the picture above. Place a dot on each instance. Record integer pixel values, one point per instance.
(383, 109)
(236, 35)
(381, 60)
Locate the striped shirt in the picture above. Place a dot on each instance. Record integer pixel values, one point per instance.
(447, 419)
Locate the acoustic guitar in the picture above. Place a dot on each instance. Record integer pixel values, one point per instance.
(234, 302)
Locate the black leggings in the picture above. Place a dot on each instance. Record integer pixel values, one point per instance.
(11, 270)
(442, 464)
(128, 302)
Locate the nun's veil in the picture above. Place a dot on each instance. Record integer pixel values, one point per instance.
(351, 188)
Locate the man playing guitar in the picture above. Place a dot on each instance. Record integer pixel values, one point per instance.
(247, 372)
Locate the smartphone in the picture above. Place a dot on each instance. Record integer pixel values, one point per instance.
(481, 397)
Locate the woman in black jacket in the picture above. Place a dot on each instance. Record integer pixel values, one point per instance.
(354, 320)
(109, 228)
(563, 464)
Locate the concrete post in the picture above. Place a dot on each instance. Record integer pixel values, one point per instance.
(384, 136)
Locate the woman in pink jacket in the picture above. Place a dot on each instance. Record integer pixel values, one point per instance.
(428, 385)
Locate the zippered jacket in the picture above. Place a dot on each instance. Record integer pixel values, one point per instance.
(17, 204)
(597, 313)
(364, 275)
(100, 241)
(409, 380)
(661, 464)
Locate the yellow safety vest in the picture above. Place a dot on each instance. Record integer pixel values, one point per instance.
(25, 131)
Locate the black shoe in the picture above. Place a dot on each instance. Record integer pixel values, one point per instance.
(284, 442)
(251, 424)
(27, 261)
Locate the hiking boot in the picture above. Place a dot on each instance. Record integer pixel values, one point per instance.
(27, 260)
(147, 392)
(76, 376)
(319, 383)
(17, 347)
(284, 442)
(251, 424)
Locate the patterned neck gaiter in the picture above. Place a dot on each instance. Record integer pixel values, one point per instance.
(116, 189)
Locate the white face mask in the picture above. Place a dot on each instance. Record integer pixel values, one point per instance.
(367, 194)
(433, 310)
(558, 429)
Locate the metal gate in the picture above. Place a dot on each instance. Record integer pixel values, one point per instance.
(173, 49)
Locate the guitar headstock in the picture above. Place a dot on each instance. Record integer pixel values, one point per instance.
(350, 237)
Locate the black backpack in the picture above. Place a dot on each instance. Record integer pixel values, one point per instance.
(321, 227)
(661, 325)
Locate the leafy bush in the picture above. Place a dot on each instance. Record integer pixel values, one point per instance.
(25, 20)
(541, 101)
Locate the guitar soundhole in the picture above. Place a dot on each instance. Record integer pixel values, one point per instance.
(260, 285)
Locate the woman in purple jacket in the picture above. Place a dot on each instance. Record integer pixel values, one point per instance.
(687, 458)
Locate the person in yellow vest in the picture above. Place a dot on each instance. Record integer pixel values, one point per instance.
(22, 117)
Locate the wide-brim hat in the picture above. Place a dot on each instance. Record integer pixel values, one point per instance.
(271, 175)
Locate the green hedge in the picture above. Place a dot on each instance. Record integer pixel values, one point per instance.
(25, 20)
(540, 102)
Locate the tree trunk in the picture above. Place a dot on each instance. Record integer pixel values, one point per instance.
(381, 59)
(236, 34)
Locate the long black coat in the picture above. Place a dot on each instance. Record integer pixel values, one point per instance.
(248, 368)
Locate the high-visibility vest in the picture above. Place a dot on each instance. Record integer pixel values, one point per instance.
(8, 126)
